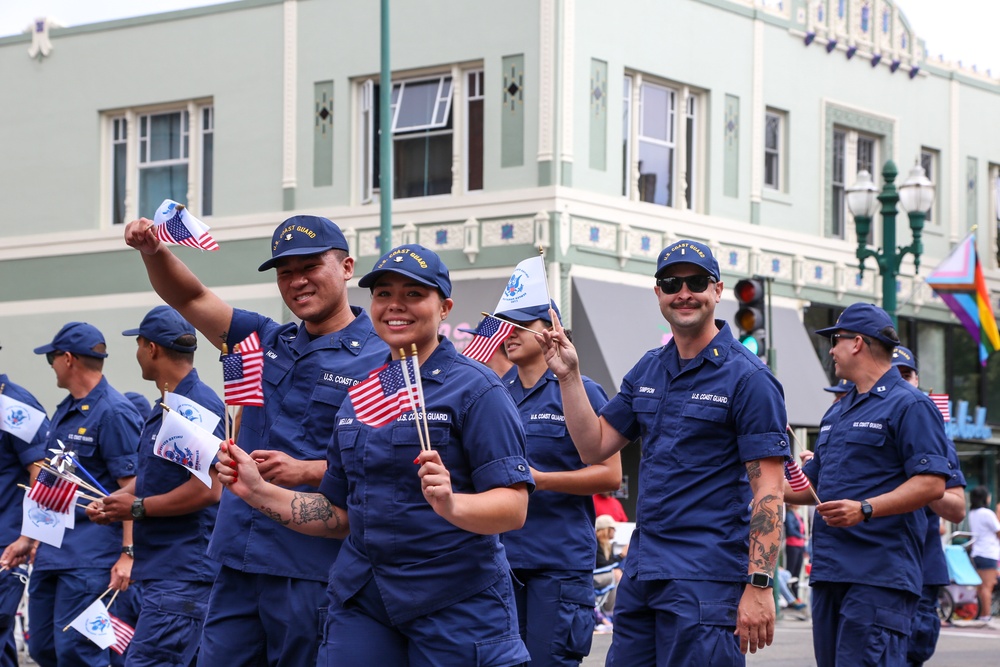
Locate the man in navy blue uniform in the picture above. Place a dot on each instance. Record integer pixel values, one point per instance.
(881, 457)
(18, 453)
(268, 603)
(712, 422)
(173, 512)
(951, 506)
(101, 428)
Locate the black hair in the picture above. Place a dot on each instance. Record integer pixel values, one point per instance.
(979, 497)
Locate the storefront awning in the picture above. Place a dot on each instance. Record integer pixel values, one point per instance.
(615, 324)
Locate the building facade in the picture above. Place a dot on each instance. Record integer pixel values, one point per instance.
(600, 132)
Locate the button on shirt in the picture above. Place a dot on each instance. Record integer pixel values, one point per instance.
(305, 381)
(559, 531)
(420, 561)
(102, 428)
(16, 456)
(699, 425)
(173, 547)
(869, 444)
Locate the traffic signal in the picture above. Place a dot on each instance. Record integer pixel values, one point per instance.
(751, 319)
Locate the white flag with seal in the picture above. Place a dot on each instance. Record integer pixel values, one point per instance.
(187, 445)
(95, 624)
(193, 412)
(42, 524)
(19, 419)
(526, 286)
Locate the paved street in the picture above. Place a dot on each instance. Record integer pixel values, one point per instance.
(958, 647)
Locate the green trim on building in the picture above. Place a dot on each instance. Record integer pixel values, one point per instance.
(322, 134)
(598, 114)
(512, 119)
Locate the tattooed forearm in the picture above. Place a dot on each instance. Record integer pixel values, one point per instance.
(753, 469)
(308, 507)
(274, 516)
(224, 336)
(765, 533)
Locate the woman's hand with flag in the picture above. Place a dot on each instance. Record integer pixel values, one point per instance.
(139, 234)
(238, 472)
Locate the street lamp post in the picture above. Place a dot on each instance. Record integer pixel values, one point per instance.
(863, 198)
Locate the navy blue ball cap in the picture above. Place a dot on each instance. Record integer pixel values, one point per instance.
(902, 356)
(414, 261)
(530, 314)
(163, 325)
(866, 319)
(841, 387)
(78, 338)
(304, 235)
(475, 332)
(688, 252)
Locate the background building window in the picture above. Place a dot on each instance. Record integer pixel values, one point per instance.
(657, 144)
(929, 161)
(119, 156)
(852, 153)
(474, 130)
(838, 185)
(774, 149)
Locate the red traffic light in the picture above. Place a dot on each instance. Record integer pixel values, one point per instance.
(749, 291)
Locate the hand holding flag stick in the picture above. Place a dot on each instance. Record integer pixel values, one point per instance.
(414, 400)
(797, 479)
(420, 396)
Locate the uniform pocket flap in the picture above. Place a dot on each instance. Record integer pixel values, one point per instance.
(892, 620)
(718, 613)
(576, 594)
(501, 652)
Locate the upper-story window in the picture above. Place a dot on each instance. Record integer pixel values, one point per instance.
(160, 154)
(661, 130)
(852, 153)
(929, 160)
(774, 150)
(424, 135)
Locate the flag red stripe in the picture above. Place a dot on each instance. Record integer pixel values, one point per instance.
(58, 497)
(123, 634)
(481, 348)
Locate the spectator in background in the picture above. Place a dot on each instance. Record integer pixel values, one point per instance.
(985, 528)
(795, 546)
(605, 528)
(605, 503)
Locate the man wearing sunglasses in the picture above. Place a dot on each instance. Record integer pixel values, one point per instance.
(712, 421)
(101, 429)
(881, 457)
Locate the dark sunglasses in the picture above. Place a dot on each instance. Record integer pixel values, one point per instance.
(51, 356)
(673, 284)
(837, 337)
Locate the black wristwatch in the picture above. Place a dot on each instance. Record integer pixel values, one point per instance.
(138, 509)
(866, 510)
(129, 551)
(760, 580)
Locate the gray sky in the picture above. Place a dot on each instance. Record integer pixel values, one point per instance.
(960, 29)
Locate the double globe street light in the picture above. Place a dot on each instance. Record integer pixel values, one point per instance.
(916, 195)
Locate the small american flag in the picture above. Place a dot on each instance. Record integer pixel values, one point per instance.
(941, 401)
(242, 372)
(175, 224)
(123, 634)
(490, 334)
(796, 478)
(383, 396)
(53, 492)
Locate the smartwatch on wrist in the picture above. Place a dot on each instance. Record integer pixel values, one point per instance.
(866, 510)
(129, 551)
(138, 509)
(760, 580)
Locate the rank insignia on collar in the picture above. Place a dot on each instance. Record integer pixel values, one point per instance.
(84, 407)
(355, 343)
(880, 388)
(436, 371)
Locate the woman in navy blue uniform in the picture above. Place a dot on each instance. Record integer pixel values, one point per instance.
(553, 555)
(422, 578)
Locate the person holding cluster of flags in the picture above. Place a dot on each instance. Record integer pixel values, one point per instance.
(94, 429)
(553, 555)
(23, 430)
(426, 468)
(172, 510)
(269, 596)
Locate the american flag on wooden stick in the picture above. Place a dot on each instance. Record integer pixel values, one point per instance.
(796, 478)
(942, 402)
(123, 634)
(175, 224)
(488, 336)
(243, 372)
(383, 396)
(53, 492)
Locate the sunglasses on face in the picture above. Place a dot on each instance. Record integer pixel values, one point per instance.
(673, 284)
(52, 356)
(837, 336)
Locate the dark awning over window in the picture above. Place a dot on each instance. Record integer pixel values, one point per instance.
(615, 324)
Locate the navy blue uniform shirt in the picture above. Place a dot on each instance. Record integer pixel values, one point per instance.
(420, 561)
(16, 456)
(935, 565)
(868, 445)
(700, 425)
(103, 429)
(173, 547)
(305, 381)
(559, 532)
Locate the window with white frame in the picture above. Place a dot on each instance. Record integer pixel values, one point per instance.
(853, 152)
(168, 154)
(774, 150)
(423, 135)
(929, 160)
(661, 131)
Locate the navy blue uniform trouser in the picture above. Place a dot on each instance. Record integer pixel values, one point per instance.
(11, 592)
(555, 613)
(168, 631)
(56, 597)
(261, 619)
(855, 625)
(926, 628)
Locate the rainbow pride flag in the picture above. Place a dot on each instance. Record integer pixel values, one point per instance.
(959, 281)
